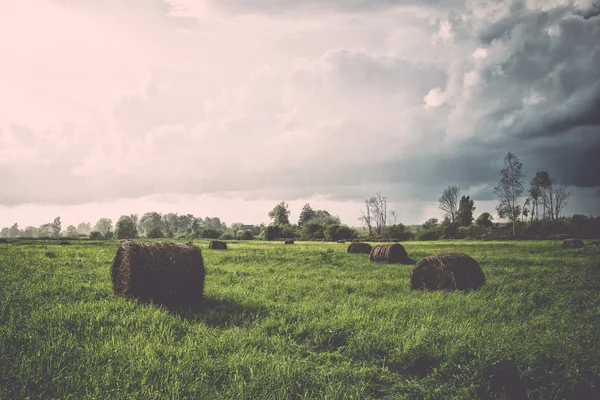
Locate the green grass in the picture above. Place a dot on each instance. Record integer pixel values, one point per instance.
(301, 321)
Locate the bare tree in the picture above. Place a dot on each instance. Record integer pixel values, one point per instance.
(366, 217)
(509, 190)
(449, 202)
(559, 196)
(376, 213)
(394, 216)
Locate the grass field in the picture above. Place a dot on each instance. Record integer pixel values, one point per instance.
(302, 321)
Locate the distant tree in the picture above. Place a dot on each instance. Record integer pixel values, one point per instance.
(324, 218)
(151, 221)
(398, 232)
(103, 225)
(84, 228)
(509, 190)
(72, 232)
(306, 215)
(280, 214)
(45, 230)
(312, 230)
(4, 232)
(55, 228)
(125, 228)
(210, 233)
(96, 235)
(431, 223)
(108, 235)
(484, 220)
(245, 235)
(376, 213)
(155, 233)
(136, 220)
(235, 227)
(13, 231)
(449, 202)
(538, 187)
(30, 232)
(465, 211)
(169, 222)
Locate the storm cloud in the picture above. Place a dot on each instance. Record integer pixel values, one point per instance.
(287, 100)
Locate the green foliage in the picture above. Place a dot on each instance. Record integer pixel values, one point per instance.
(465, 211)
(103, 225)
(485, 220)
(312, 230)
(398, 232)
(125, 228)
(108, 235)
(226, 236)
(431, 223)
(280, 214)
(301, 322)
(245, 235)
(155, 233)
(210, 233)
(96, 235)
(340, 232)
(306, 215)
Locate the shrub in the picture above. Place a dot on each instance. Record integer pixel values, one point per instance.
(226, 236)
(245, 235)
(96, 235)
(108, 235)
(155, 233)
(210, 233)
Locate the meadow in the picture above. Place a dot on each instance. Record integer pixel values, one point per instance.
(303, 321)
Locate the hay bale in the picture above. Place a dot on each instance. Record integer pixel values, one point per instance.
(389, 253)
(363, 248)
(448, 271)
(217, 245)
(289, 242)
(166, 273)
(573, 243)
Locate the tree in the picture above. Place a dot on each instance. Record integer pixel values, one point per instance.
(449, 202)
(376, 213)
(136, 220)
(72, 232)
(306, 215)
(13, 231)
(465, 211)
(431, 223)
(559, 198)
(509, 190)
(280, 214)
(84, 228)
(125, 228)
(96, 235)
(151, 222)
(538, 187)
(485, 220)
(103, 225)
(55, 228)
(366, 217)
(235, 227)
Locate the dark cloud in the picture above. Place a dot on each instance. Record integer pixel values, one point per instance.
(289, 6)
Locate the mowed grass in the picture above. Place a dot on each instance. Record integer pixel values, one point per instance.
(301, 321)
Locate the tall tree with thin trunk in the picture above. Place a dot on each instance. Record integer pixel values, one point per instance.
(465, 211)
(509, 190)
(449, 202)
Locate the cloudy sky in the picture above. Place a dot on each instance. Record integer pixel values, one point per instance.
(226, 107)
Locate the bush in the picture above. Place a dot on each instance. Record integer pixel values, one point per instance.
(272, 232)
(428, 234)
(226, 236)
(312, 230)
(210, 233)
(108, 235)
(155, 233)
(95, 235)
(245, 235)
(340, 232)
(398, 232)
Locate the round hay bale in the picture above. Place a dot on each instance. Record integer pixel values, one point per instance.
(448, 271)
(166, 273)
(363, 248)
(389, 253)
(574, 243)
(289, 242)
(217, 245)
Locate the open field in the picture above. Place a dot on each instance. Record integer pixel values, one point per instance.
(302, 321)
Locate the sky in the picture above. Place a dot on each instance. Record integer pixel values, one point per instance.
(227, 107)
